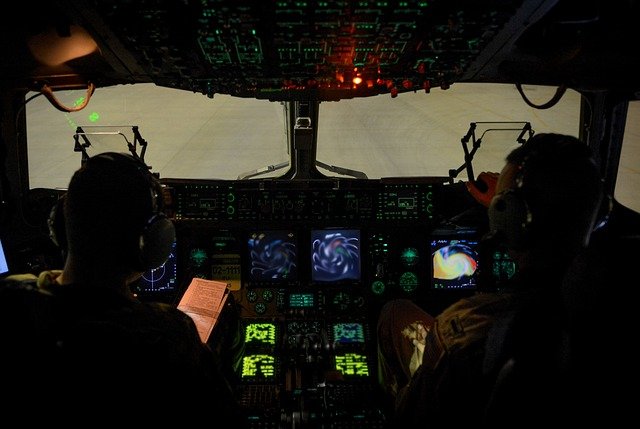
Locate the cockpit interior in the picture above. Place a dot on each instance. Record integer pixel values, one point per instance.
(309, 248)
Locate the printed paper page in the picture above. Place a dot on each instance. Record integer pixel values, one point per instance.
(203, 301)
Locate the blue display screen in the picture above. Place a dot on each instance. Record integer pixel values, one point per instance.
(335, 255)
(273, 256)
(161, 279)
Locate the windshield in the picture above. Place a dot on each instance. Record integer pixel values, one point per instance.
(190, 136)
(418, 134)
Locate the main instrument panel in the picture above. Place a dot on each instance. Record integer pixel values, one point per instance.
(309, 265)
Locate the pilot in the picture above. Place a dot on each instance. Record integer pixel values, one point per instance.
(547, 198)
(81, 342)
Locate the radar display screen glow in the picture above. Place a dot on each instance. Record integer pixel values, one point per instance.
(161, 279)
(335, 255)
(352, 364)
(348, 333)
(273, 255)
(258, 367)
(260, 334)
(455, 263)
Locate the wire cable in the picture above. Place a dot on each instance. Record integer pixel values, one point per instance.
(552, 102)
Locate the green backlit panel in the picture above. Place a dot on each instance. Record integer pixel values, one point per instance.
(352, 364)
(260, 334)
(258, 367)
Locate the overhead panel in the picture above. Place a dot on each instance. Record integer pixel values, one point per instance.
(306, 49)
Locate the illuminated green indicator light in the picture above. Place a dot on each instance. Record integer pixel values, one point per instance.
(264, 333)
(78, 102)
(423, 4)
(94, 117)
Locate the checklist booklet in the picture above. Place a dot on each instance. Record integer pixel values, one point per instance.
(203, 301)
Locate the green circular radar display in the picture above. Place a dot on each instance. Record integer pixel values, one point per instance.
(198, 257)
(408, 282)
(378, 287)
(409, 256)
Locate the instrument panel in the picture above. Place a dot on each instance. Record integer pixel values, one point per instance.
(304, 200)
(309, 264)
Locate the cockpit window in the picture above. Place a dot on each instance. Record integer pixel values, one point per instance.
(628, 180)
(191, 136)
(418, 134)
(188, 135)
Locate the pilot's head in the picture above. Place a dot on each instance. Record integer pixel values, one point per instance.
(113, 216)
(548, 196)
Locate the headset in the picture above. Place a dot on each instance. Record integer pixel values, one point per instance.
(157, 235)
(511, 218)
(509, 215)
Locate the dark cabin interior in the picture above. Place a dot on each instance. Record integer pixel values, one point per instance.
(303, 52)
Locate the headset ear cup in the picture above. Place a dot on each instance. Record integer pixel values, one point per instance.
(509, 217)
(56, 224)
(156, 242)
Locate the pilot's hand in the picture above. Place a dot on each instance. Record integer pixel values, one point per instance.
(484, 187)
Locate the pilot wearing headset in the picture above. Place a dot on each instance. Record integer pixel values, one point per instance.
(82, 339)
(547, 198)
